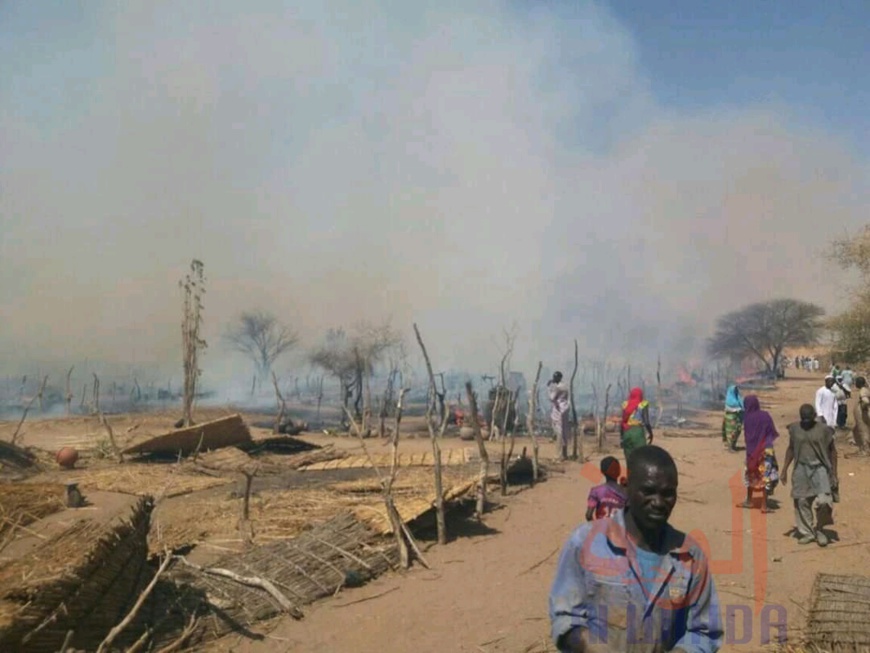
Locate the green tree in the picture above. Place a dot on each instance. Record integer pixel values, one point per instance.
(765, 329)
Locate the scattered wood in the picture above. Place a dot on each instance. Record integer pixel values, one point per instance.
(367, 598)
(251, 581)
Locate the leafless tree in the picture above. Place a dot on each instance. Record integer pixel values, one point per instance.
(533, 403)
(352, 358)
(193, 287)
(262, 338)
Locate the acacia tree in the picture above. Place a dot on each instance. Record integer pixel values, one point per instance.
(765, 329)
(262, 338)
(352, 358)
(851, 328)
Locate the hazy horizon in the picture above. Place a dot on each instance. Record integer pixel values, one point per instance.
(464, 168)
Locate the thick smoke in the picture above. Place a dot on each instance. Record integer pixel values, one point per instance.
(464, 168)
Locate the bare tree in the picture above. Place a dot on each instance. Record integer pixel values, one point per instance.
(352, 358)
(263, 339)
(193, 286)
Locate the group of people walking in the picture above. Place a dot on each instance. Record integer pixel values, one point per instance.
(811, 452)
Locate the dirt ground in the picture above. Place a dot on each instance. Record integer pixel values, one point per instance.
(487, 589)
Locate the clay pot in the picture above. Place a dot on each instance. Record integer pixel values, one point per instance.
(67, 457)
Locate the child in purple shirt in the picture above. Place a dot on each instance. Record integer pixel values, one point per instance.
(607, 498)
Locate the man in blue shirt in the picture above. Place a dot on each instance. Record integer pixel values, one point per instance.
(633, 582)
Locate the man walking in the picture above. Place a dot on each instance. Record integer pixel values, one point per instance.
(811, 446)
(633, 582)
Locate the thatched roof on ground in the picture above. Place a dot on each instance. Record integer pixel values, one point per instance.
(223, 432)
(24, 503)
(83, 580)
(839, 616)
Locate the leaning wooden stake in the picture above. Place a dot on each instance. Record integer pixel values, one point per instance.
(106, 644)
(436, 447)
(533, 407)
(481, 448)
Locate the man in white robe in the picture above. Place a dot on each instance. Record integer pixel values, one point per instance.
(826, 402)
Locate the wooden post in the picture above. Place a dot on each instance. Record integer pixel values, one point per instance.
(69, 394)
(533, 401)
(574, 430)
(436, 447)
(96, 393)
(282, 405)
(659, 405)
(602, 430)
(481, 448)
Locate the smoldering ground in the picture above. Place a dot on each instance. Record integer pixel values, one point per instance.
(464, 166)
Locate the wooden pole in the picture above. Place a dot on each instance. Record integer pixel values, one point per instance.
(533, 401)
(481, 448)
(436, 447)
(577, 451)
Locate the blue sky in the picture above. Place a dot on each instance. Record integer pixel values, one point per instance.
(811, 55)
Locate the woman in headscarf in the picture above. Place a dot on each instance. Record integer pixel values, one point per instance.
(635, 424)
(732, 424)
(761, 472)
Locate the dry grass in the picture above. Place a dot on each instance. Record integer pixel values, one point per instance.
(137, 478)
(22, 504)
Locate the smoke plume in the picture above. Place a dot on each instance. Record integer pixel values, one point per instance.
(465, 166)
